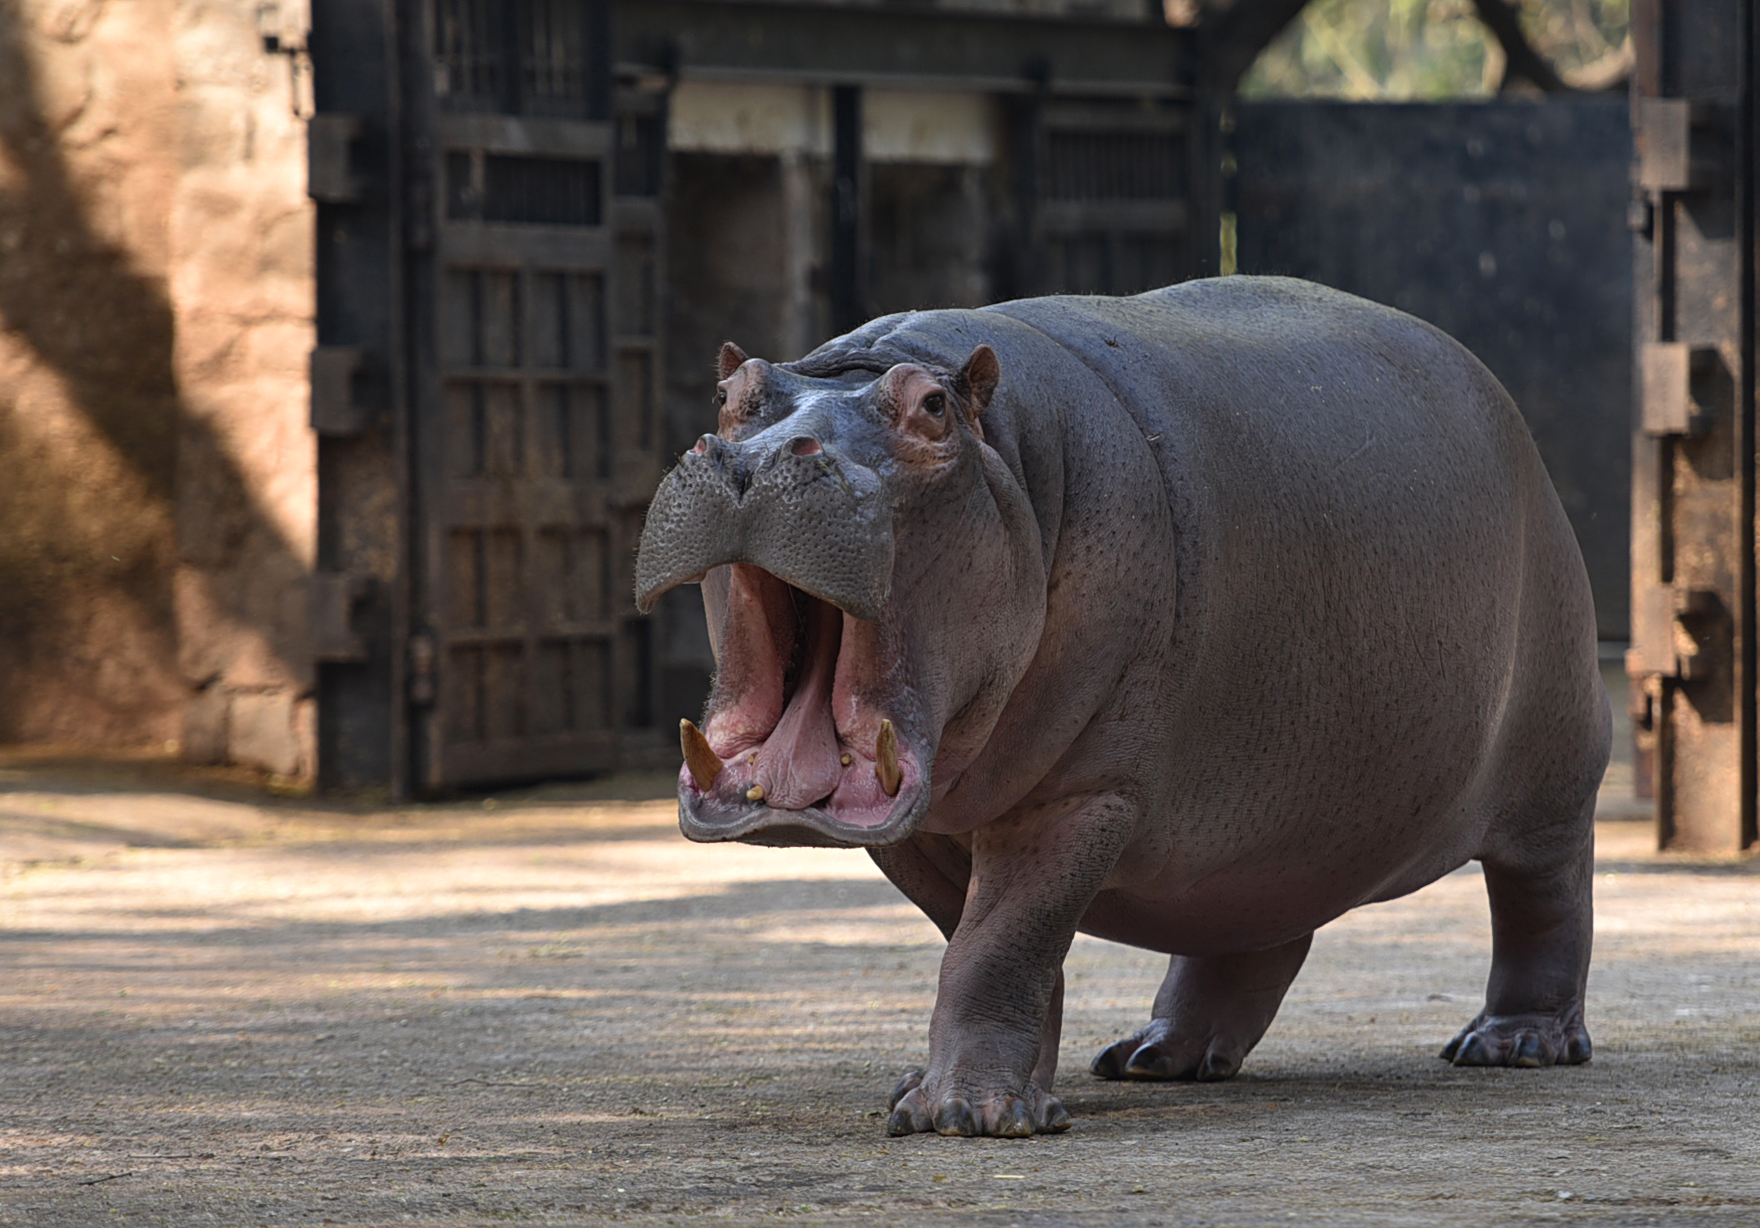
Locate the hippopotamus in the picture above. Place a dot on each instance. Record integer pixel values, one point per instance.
(1189, 620)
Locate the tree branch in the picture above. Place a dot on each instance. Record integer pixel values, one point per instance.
(1520, 59)
(1232, 39)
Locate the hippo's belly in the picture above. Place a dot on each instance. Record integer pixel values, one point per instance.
(1288, 878)
(1247, 911)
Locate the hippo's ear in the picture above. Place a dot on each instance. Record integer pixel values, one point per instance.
(731, 359)
(976, 381)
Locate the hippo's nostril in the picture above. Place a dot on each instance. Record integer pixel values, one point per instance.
(702, 445)
(804, 445)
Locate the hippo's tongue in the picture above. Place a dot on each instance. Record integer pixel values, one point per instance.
(800, 763)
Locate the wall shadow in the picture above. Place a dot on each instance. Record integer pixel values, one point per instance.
(88, 628)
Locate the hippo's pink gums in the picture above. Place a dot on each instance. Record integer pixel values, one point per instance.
(1190, 620)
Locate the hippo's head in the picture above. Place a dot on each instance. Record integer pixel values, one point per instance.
(874, 589)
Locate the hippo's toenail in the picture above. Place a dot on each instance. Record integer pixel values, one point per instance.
(1475, 1050)
(1529, 1051)
(1216, 1066)
(907, 1083)
(956, 1117)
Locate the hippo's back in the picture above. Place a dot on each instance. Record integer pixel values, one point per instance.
(1378, 595)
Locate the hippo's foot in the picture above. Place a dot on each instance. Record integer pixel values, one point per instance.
(1207, 1017)
(1163, 1050)
(1521, 1040)
(919, 1109)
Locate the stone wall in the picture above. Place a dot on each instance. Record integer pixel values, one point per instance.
(157, 479)
(242, 293)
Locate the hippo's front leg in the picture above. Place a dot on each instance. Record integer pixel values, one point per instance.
(1033, 875)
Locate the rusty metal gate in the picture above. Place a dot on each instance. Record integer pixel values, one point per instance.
(486, 391)
(1108, 195)
(1693, 535)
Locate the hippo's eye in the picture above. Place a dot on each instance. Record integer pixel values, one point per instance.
(934, 404)
(721, 396)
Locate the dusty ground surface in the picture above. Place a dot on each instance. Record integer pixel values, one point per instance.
(222, 1007)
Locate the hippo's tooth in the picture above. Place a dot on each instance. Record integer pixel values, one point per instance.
(886, 760)
(705, 764)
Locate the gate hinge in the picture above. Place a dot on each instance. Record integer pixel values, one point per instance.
(1664, 140)
(1667, 371)
(1678, 633)
(284, 25)
(331, 597)
(340, 408)
(330, 141)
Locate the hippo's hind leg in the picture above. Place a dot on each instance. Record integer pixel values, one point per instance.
(1542, 923)
(1208, 1015)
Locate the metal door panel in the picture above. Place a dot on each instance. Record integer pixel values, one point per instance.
(537, 453)
(1504, 224)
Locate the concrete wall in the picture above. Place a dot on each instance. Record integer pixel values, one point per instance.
(157, 481)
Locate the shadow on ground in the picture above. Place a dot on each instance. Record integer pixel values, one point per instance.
(238, 1009)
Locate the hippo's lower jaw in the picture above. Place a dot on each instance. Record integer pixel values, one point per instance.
(874, 801)
(814, 826)
(801, 745)
(875, 804)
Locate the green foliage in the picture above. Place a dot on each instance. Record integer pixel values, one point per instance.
(1415, 50)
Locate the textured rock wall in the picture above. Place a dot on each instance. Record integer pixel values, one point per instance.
(157, 481)
(240, 239)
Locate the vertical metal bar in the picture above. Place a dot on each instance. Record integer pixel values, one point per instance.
(1017, 274)
(417, 731)
(510, 32)
(356, 66)
(848, 289)
(1746, 132)
(1211, 188)
(399, 20)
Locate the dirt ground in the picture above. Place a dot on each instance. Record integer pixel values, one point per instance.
(224, 1007)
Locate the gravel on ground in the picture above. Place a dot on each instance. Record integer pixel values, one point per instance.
(224, 1007)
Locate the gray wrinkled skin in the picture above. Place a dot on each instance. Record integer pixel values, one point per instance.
(1211, 614)
(699, 518)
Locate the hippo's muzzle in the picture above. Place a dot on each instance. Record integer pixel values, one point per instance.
(791, 506)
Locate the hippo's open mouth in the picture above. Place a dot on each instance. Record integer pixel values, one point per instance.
(793, 751)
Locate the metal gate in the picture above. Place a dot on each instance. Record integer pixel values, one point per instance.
(519, 362)
(1501, 222)
(1107, 195)
(1693, 540)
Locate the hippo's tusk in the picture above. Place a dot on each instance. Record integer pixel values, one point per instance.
(886, 760)
(705, 764)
